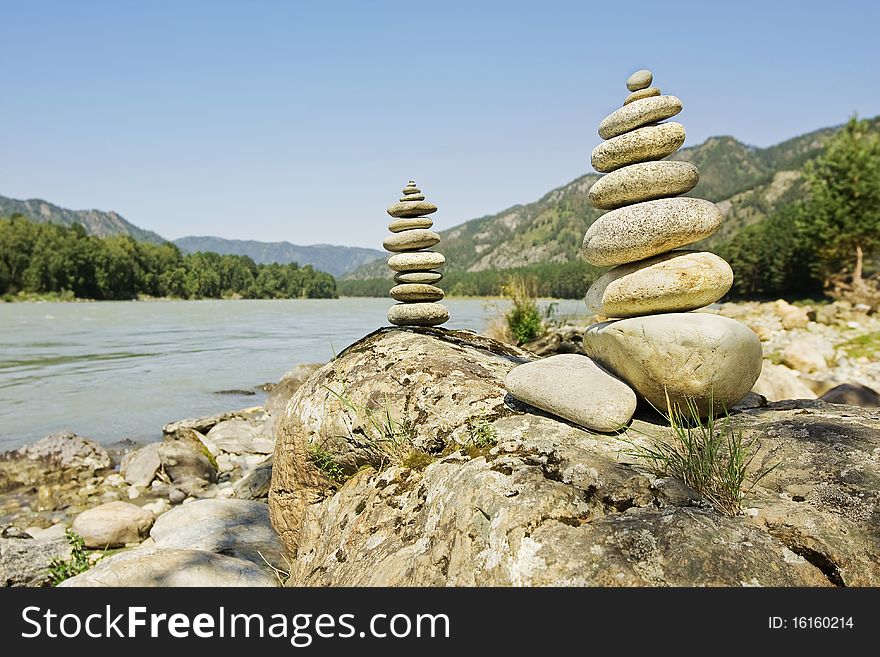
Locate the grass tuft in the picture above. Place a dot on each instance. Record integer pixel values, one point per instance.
(61, 569)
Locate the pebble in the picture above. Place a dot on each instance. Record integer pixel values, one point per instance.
(418, 277)
(653, 142)
(638, 114)
(643, 182)
(418, 314)
(409, 223)
(413, 197)
(641, 93)
(411, 240)
(639, 231)
(416, 261)
(416, 292)
(411, 209)
(641, 79)
(411, 188)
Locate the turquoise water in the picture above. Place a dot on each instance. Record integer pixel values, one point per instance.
(116, 370)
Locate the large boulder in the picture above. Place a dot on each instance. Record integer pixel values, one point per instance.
(551, 503)
(114, 524)
(281, 392)
(58, 457)
(26, 561)
(237, 528)
(151, 567)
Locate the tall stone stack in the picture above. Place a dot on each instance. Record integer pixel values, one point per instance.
(415, 265)
(664, 352)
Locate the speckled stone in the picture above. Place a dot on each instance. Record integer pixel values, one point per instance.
(411, 240)
(643, 182)
(412, 197)
(411, 209)
(639, 231)
(410, 223)
(410, 292)
(642, 93)
(418, 277)
(416, 261)
(639, 80)
(676, 281)
(640, 113)
(653, 142)
(418, 314)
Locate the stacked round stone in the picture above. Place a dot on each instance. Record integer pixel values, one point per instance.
(413, 263)
(657, 347)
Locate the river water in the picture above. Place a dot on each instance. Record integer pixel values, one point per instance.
(116, 370)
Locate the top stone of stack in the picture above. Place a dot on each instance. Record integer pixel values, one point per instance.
(411, 204)
(640, 80)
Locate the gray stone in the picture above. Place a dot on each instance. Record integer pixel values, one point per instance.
(255, 484)
(184, 428)
(112, 525)
(641, 93)
(68, 450)
(575, 388)
(410, 223)
(653, 142)
(140, 466)
(238, 437)
(641, 79)
(234, 527)
(412, 197)
(26, 561)
(778, 382)
(416, 261)
(808, 353)
(155, 567)
(636, 232)
(853, 394)
(410, 292)
(639, 113)
(675, 281)
(403, 209)
(418, 314)
(411, 240)
(185, 462)
(426, 277)
(643, 182)
(411, 189)
(707, 359)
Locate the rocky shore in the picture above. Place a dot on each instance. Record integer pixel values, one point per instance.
(405, 461)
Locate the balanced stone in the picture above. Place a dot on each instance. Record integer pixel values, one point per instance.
(418, 314)
(418, 277)
(639, 80)
(672, 282)
(410, 223)
(411, 240)
(416, 261)
(575, 388)
(653, 142)
(710, 360)
(641, 93)
(411, 188)
(643, 182)
(638, 114)
(413, 197)
(416, 292)
(411, 209)
(639, 231)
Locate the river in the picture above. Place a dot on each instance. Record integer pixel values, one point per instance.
(120, 370)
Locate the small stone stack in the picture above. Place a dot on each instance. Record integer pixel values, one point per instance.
(702, 358)
(413, 263)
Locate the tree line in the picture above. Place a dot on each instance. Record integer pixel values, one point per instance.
(46, 258)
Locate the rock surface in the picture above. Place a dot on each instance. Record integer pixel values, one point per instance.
(642, 145)
(641, 93)
(113, 525)
(238, 437)
(575, 388)
(140, 466)
(672, 282)
(26, 561)
(852, 394)
(290, 382)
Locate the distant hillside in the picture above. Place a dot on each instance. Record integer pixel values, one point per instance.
(336, 260)
(748, 183)
(96, 222)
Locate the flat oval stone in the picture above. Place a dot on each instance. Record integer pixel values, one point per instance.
(411, 190)
(416, 292)
(416, 261)
(639, 80)
(643, 182)
(411, 240)
(574, 388)
(418, 314)
(413, 197)
(637, 114)
(653, 142)
(642, 93)
(708, 359)
(676, 281)
(418, 277)
(410, 223)
(411, 209)
(639, 231)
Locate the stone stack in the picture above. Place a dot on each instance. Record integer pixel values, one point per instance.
(414, 263)
(659, 348)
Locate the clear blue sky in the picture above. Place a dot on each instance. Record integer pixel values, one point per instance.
(301, 121)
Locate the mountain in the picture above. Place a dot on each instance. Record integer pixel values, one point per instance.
(336, 260)
(748, 184)
(96, 222)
